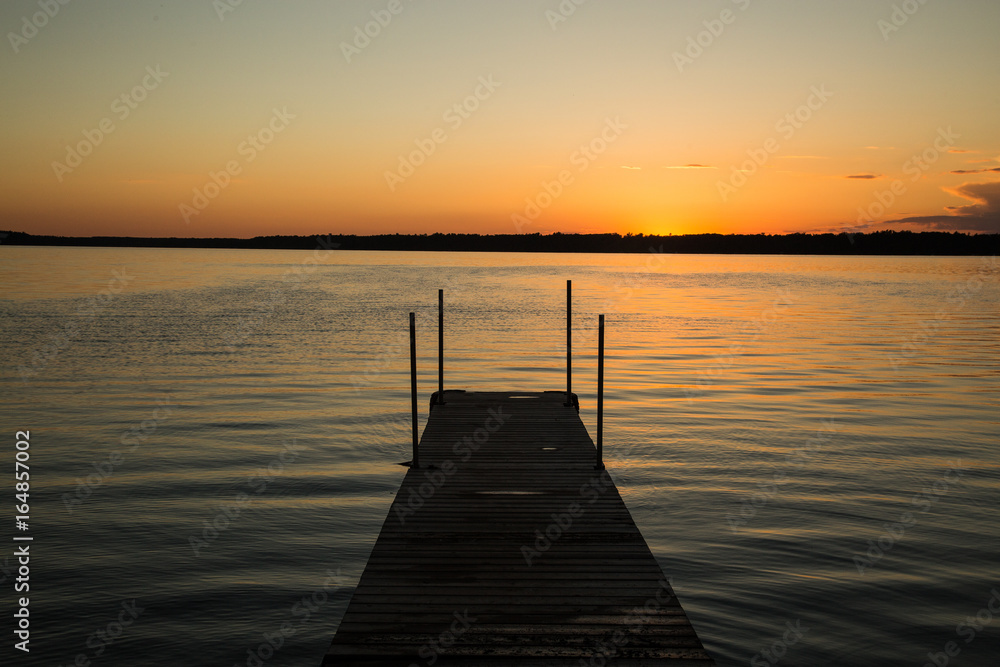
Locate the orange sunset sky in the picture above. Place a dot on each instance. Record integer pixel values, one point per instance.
(231, 118)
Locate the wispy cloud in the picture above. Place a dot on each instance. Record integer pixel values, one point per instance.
(691, 166)
(625, 166)
(975, 171)
(803, 157)
(983, 215)
(880, 148)
(865, 177)
(852, 228)
(960, 150)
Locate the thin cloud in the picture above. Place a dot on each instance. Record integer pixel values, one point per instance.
(853, 228)
(983, 215)
(804, 157)
(691, 166)
(960, 150)
(625, 166)
(865, 177)
(880, 148)
(975, 171)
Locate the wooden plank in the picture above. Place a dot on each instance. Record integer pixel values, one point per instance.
(507, 547)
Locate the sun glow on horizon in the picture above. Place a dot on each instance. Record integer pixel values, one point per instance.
(588, 124)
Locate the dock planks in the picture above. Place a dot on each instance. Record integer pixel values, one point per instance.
(506, 547)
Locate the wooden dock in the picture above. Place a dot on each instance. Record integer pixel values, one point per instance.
(507, 547)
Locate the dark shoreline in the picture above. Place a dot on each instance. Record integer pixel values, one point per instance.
(874, 243)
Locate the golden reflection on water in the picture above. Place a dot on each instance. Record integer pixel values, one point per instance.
(834, 373)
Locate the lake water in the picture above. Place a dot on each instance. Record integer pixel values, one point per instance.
(215, 436)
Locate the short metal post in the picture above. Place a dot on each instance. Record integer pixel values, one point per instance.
(413, 386)
(440, 347)
(569, 342)
(600, 394)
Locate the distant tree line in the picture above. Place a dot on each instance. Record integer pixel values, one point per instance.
(874, 243)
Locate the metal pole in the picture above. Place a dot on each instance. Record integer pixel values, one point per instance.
(600, 395)
(569, 342)
(413, 385)
(440, 347)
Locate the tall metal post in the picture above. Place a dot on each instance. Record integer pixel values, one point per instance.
(440, 347)
(569, 342)
(600, 394)
(413, 386)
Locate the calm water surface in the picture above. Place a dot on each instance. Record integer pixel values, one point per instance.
(802, 440)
